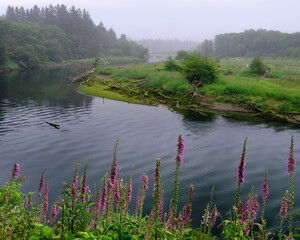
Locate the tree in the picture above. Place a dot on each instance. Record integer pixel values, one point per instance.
(3, 52)
(199, 69)
(181, 54)
(257, 66)
(206, 48)
(96, 62)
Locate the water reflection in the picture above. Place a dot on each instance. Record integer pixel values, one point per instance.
(31, 97)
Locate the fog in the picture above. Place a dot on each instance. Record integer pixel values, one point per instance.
(193, 20)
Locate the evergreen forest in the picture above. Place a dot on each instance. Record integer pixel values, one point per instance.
(251, 43)
(30, 37)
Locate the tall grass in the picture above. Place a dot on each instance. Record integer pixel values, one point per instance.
(275, 94)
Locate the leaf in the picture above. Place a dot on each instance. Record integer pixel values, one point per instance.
(84, 235)
(47, 231)
(37, 224)
(34, 237)
(126, 237)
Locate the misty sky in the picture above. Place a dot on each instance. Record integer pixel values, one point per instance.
(182, 19)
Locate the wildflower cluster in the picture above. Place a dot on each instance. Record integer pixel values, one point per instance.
(79, 214)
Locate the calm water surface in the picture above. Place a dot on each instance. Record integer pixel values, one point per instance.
(90, 127)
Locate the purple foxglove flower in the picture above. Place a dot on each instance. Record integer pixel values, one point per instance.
(265, 189)
(241, 166)
(75, 182)
(180, 149)
(83, 185)
(291, 160)
(284, 206)
(46, 198)
(15, 171)
(41, 184)
(130, 192)
(113, 171)
(104, 198)
(26, 203)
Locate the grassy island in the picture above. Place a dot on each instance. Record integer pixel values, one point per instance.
(274, 96)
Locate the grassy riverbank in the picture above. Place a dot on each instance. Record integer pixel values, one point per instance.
(275, 96)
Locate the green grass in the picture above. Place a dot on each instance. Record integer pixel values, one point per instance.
(11, 64)
(168, 81)
(278, 94)
(100, 90)
(279, 90)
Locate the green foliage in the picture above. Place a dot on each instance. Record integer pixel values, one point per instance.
(206, 48)
(197, 68)
(130, 48)
(57, 33)
(181, 54)
(171, 65)
(96, 62)
(257, 66)
(114, 52)
(107, 70)
(3, 51)
(252, 43)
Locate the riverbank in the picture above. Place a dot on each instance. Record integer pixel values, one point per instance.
(12, 66)
(270, 98)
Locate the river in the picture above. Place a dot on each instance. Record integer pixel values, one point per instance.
(90, 126)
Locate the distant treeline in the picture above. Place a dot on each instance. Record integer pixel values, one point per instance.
(252, 43)
(55, 33)
(161, 46)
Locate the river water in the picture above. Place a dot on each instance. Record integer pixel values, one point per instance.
(90, 126)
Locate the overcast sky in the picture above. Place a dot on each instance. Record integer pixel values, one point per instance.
(182, 19)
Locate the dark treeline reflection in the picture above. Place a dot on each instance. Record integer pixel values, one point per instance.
(45, 87)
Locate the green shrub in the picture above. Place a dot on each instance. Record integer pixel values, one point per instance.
(257, 66)
(171, 65)
(181, 54)
(200, 69)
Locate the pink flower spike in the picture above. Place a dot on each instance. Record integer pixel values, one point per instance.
(180, 149)
(41, 183)
(284, 206)
(291, 160)
(241, 166)
(265, 189)
(15, 171)
(26, 202)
